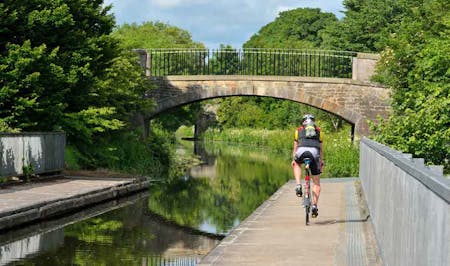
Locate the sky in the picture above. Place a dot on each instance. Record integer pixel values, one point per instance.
(214, 22)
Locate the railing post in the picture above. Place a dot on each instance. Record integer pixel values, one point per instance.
(144, 60)
(148, 64)
(363, 66)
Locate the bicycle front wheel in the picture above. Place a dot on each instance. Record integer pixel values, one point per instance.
(307, 214)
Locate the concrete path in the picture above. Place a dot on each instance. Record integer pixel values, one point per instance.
(276, 234)
(34, 201)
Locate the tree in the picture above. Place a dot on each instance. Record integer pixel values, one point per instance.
(160, 35)
(154, 35)
(269, 113)
(297, 28)
(55, 58)
(416, 66)
(225, 60)
(61, 70)
(367, 25)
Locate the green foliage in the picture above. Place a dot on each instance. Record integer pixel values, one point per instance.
(124, 87)
(269, 113)
(245, 178)
(341, 156)
(154, 35)
(416, 67)
(297, 28)
(366, 26)
(62, 70)
(72, 158)
(95, 230)
(21, 84)
(51, 59)
(5, 128)
(279, 140)
(159, 35)
(240, 112)
(125, 151)
(184, 115)
(413, 38)
(93, 120)
(27, 171)
(185, 131)
(225, 61)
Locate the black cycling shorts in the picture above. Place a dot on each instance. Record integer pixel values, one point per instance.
(313, 154)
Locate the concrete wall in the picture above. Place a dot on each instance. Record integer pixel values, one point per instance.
(364, 66)
(408, 204)
(44, 151)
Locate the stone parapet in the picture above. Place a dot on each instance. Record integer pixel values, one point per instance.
(364, 66)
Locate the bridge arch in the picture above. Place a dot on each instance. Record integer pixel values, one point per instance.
(354, 101)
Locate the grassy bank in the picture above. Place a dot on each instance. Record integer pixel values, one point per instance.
(128, 153)
(341, 156)
(156, 158)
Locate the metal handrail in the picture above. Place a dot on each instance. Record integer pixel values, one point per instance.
(249, 61)
(240, 49)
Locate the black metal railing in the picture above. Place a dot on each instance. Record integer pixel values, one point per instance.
(162, 261)
(268, 62)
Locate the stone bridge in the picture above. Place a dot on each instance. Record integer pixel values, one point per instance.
(354, 101)
(336, 82)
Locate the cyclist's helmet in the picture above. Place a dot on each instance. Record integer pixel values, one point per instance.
(307, 118)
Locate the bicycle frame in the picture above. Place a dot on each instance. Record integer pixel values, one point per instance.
(307, 186)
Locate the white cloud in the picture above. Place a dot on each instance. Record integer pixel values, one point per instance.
(167, 3)
(214, 21)
(176, 3)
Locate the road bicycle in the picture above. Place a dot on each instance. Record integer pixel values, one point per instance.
(307, 186)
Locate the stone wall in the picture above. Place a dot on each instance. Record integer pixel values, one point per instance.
(409, 205)
(354, 101)
(43, 151)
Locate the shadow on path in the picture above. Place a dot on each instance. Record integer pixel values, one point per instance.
(327, 222)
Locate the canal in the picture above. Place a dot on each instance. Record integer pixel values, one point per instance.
(176, 222)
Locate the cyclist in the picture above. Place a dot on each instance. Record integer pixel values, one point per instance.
(308, 142)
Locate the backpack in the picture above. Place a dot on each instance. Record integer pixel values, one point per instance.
(310, 129)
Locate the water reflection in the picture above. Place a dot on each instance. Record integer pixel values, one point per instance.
(175, 223)
(28, 246)
(222, 191)
(48, 235)
(130, 235)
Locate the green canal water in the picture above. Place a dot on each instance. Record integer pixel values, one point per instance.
(176, 222)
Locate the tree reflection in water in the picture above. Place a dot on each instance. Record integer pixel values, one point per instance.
(241, 178)
(154, 230)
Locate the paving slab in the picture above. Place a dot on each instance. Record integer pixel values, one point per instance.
(276, 234)
(25, 203)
